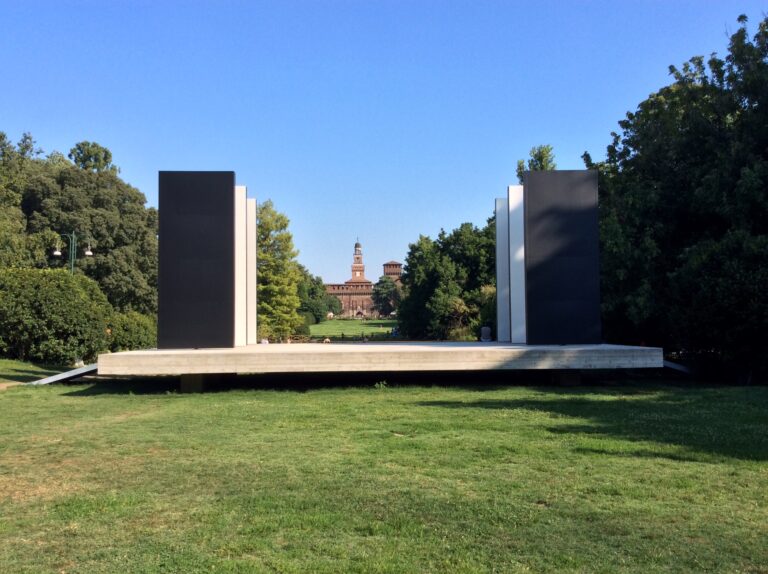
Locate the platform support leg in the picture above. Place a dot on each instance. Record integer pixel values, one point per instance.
(567, 378)
(192, 383)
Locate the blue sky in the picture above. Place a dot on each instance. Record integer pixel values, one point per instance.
(378, 120)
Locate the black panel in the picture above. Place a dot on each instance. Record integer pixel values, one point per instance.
(196, 275)
(562, 258)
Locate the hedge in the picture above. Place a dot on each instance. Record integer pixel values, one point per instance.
(52, 316)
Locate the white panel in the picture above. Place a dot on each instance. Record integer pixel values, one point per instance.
(515, 198)
(240, 266)
(503, 332)
(251, 271)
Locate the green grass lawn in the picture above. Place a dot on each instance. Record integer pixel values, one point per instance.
(352, 328)
(117, 478)
(21, 372)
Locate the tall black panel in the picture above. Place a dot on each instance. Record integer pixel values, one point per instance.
(562, 257)
(196, 275)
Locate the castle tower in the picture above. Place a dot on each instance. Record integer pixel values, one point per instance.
(358, 268)
(393, 270)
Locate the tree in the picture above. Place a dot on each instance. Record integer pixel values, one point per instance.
(41, 198)
(447, 283)
(315, 301)
(278, 275)
(17, 166)
(91, 156)
(386, 296)
(542, 158)
(684, 211)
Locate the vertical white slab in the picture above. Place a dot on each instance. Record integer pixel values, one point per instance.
(240, 266)
(503, 332)
(250, 283)
(515, 200)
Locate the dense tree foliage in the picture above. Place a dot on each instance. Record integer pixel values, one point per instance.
(386, 296)
(90, 156)
(52, 316)
(278, 276)
(541, 158)
(684, 211)
(446, 283)
(315, 303)
(44, 197)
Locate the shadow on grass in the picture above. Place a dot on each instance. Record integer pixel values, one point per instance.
(302, 382)
(21, 375)
(128, 386)
(476, 381)
(720, 421)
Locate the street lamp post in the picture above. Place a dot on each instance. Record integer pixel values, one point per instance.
(72, 238)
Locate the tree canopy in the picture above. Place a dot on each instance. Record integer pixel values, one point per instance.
(541, 158)
(91, 156)
(278, 275)
(684, 211)
(315, 302)
(386, 295)
(43, 197)
(447, 282)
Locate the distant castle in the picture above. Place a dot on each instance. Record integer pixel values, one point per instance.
(356, 294)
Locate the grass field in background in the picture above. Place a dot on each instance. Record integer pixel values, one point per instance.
(12, 371)
(352, 328)
(132, 477)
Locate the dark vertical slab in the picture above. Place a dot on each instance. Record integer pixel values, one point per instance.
(196, 275)
(562, 257)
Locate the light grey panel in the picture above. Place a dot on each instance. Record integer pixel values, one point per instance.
(502, 270)
(516, 202)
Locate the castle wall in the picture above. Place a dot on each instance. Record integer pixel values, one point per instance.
(355, 298)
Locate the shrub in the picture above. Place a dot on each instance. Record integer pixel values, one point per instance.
(302, 330)
(51, 316)
(132, 330)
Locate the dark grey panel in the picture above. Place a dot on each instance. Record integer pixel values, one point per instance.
(562, 258)
(196, 275)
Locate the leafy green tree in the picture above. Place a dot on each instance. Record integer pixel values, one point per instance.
(446, 283)
(315, 301)
(542, 158)
(684, 211)
(420, 280)
(41, 198)
(386, 295)
(91, 156)
(17, 166)
(278, 275)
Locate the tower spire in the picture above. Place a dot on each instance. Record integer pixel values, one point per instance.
(358, 268)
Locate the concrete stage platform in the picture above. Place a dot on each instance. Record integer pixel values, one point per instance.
(377, 357)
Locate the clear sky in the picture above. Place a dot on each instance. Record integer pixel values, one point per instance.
(380, 120)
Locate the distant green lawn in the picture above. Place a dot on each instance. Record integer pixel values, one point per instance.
(352, 328)
(129, 477)
(21, 372)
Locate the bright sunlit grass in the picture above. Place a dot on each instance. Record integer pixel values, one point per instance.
(132, 478)
(352, 328)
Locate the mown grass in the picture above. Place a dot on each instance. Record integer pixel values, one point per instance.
(352, 328)
(12, 371)
(132, 477)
